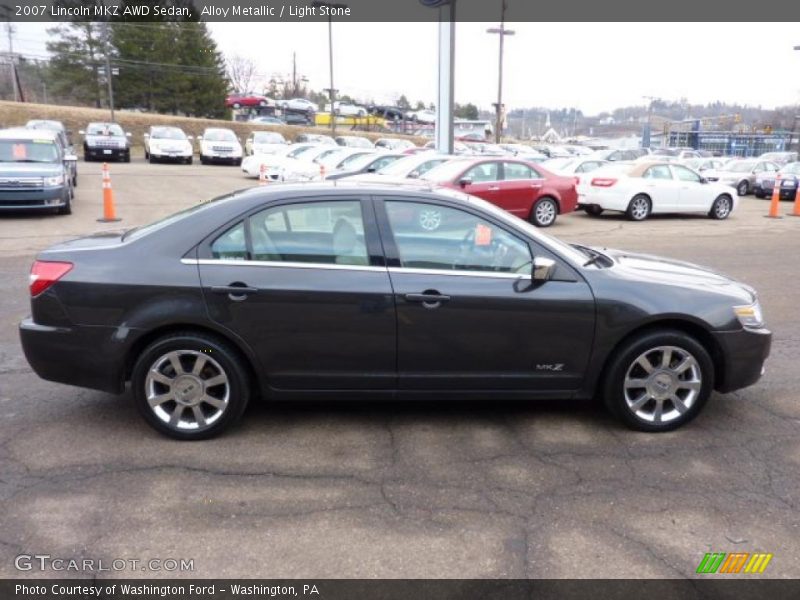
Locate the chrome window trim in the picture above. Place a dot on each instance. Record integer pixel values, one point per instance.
(280, 264)
(444, 272)
(400, 270)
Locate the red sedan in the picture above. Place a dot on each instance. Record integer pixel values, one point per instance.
(240, 100)
(522, 188)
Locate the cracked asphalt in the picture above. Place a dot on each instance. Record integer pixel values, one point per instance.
(425, 490)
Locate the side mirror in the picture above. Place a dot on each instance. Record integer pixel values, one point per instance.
(703, 180)
(465, 181)
(371, 170)
(414, 174)
(543, 268)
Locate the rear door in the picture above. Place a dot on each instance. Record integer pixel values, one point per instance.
(303, 283)
(662, 188)
(519, 189)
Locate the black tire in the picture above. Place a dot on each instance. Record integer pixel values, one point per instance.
(189, 160)
(86, 157)
(151, 159)
(759, 193)
(594, 210)
(238, 162)
(126, 157)
(74, 181)
(220, 358)
(639, 208)
(722, 207)
(146, 155)
(203, 160)
(67, 208)
(624, 361)
(544, 212)
(743, 188)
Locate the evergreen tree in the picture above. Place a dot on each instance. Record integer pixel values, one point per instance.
(76, 52)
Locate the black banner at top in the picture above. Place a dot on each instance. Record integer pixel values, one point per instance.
(398, 10)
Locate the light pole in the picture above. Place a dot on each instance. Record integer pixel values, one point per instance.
(502, 32)
(331, 91)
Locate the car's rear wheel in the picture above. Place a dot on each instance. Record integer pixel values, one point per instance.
(639, 208)
(659, 381)
(189, 160)
(544, 212)
(721, 208)
(743, 188)
(594, 210)
(190, 386)
(203, 160)
(67, 208)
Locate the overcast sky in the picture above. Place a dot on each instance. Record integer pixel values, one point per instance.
(593, 66)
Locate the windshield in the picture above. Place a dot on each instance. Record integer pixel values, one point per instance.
(403, 166)
(104, 129)
(39, 151)
(359, 161)
(219, 135)
(447, 171)
(268, 137)
(357, 142)
(741, 166)
(168, 133)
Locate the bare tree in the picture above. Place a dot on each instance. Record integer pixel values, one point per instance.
(242, 73)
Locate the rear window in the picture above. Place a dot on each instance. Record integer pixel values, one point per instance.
(139, 232)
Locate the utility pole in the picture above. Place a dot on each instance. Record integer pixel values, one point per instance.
(108, 70)
(502, 32)
(331, 90)
(294, 74)
(10, 31)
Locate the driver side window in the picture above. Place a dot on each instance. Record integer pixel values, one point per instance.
(429, 236)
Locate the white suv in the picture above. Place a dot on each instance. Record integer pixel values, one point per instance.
(220, 145)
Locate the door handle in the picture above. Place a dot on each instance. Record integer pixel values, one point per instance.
(494, 188)
(429, 298)
(236, 291)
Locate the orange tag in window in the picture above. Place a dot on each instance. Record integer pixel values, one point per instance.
(483, 235)
(19, 152)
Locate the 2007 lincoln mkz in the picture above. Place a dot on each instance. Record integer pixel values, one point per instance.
(334, 290)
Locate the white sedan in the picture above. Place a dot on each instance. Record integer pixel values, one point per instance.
(642, 189)
(284, 165)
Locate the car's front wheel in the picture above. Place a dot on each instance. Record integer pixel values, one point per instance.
(594, 210)
(721, 208)
(659, 381)
(544, 212)
(190, 386)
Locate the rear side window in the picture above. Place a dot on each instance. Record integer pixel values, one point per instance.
(517, 171)
(312, 232)
(658, 172)
(231, 245)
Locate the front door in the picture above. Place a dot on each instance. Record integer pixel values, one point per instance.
(693, 193)
(468, 315)
(303, 284)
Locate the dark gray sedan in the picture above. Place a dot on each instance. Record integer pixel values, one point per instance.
(333, 290)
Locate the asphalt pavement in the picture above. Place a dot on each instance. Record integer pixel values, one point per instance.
(424, 490)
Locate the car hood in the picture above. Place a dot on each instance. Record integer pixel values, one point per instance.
(666, 271)
(11, 170)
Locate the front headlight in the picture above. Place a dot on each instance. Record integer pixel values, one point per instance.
(750, 315)
(54, 181)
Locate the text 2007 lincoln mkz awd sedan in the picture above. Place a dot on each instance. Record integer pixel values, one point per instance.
(334, 290)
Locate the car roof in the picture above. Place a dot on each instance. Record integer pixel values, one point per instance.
(638, 168)
(22, 133)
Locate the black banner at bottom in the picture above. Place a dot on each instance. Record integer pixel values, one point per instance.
(397, 589)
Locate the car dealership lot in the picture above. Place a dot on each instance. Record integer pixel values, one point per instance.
(391, 490)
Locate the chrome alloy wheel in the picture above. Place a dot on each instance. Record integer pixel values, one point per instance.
(187, 390)
(639, 208)
(545, 213)
(662, 384)
(722, 207)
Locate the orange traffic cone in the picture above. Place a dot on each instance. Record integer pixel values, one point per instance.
(796, 211)
(109, 212)
(776, 200)
(262, 175)
(322, 172)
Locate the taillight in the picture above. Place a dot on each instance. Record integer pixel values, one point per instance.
(603, 181)
(46, 273)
